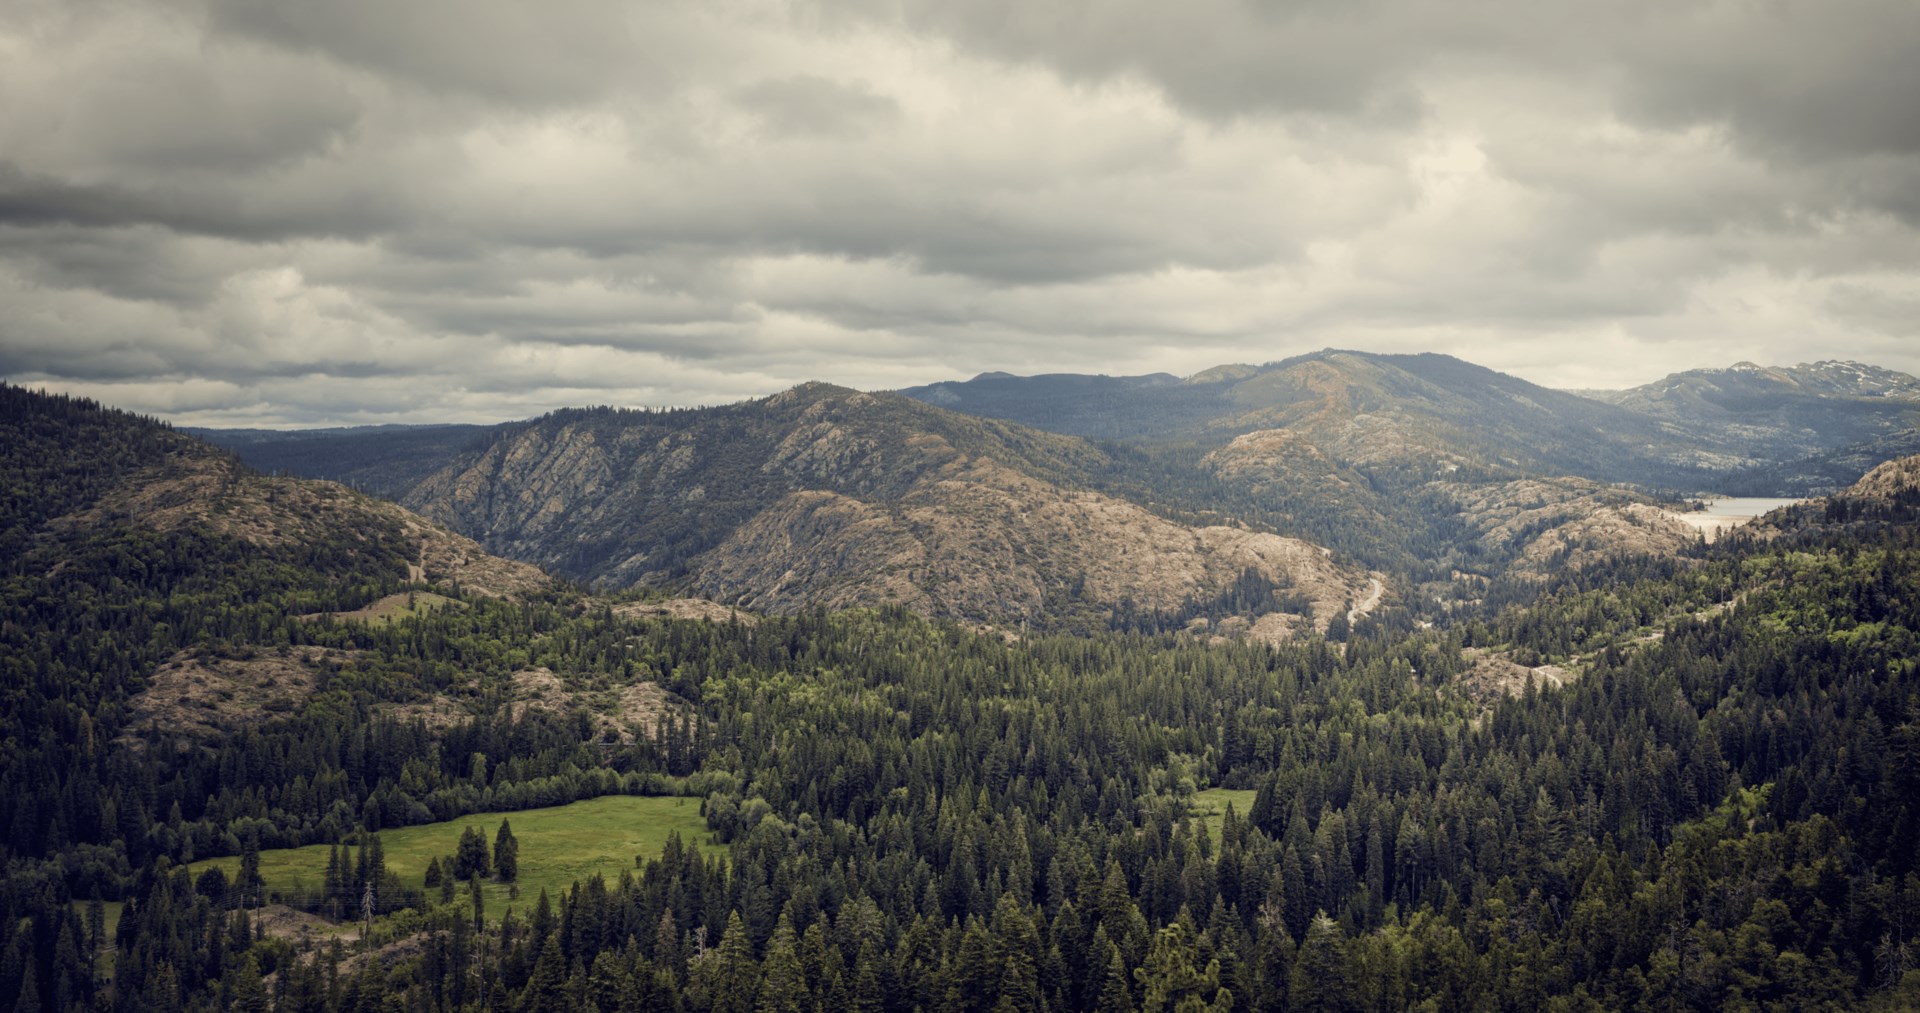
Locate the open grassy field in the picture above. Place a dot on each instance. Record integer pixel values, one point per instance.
(395, 607)
(558, 845)
(1211, 805)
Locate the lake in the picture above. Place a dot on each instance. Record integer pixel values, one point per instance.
(1731, 512)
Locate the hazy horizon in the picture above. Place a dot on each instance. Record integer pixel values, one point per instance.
(483, 420)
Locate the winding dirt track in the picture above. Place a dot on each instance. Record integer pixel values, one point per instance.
(1372, 601)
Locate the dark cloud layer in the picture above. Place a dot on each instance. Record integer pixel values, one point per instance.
(280, 213)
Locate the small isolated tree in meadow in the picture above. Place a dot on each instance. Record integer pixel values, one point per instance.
(470, 858)
(249, 884)
(506, 854)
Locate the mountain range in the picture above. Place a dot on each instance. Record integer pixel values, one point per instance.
(222, 690)
(1278, 493)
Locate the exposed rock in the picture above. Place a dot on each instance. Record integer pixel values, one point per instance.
(201, 697)
(1547, 523)
(981, 542)
(196, 487)
(825, 496)
(685, 608)
(1490, 675)
(617, 714)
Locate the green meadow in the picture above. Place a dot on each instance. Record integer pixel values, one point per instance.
(1211, 805)
(558, 846)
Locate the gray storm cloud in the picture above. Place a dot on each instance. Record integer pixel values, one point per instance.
(282, 213)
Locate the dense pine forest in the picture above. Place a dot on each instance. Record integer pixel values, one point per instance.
(1718, 807)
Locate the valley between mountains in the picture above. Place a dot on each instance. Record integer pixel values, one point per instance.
(1350, 682)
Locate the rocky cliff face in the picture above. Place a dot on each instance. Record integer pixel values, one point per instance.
(825, 496)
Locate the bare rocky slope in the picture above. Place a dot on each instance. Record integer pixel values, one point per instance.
(102, 509)
(827, 496)
(981, 500)
(194, 484)
(1890, 481)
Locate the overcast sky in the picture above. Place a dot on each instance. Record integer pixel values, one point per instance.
(241, 212)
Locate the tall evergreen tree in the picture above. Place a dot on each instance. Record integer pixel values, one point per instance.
(783, 986)
(546, 987)
(506, 854)
(1116, 994)
(1321, 979)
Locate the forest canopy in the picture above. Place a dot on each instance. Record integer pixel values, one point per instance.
(1715, 807)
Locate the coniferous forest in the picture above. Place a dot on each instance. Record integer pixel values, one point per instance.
(1721, 811)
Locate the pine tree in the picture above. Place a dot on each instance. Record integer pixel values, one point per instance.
(479, 905)
(249, 883)
(245, 992)
(1015, 942)
(736, 972)
(506, 854)
(1170, 974)
(1320, 978)
(541, 925)
(868, 994)
(783, 986)
(666, 943)
(609, 983)
(1116, 995)
(334, 887)
(28, 998)
(546, 987)
(96, 927)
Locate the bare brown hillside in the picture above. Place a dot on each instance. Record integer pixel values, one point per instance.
(980, 542)
(827, 496)
(192, 488)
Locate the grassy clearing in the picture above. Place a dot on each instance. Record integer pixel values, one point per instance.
(558, 845)
(1211, 805)
(395, 607)
(392, 609)
(103, 966)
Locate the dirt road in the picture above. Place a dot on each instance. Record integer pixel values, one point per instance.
(1372, 601)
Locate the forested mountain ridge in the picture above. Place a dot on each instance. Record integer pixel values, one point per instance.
(823, 496)
(1765, 429)
(383, 460)
(1421, 467)
(1361, 408)
(1891, 480)
(1772, 416)
(827, 496)
(130, 548)
(104, 470)
(161, 603)
(1425, 465)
